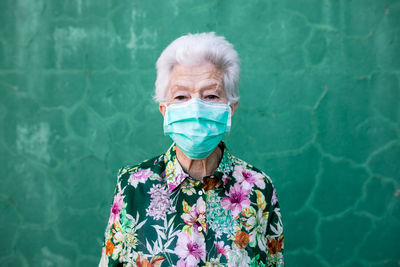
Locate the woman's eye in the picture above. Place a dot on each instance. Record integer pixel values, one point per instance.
(212, 97)
(180, 97)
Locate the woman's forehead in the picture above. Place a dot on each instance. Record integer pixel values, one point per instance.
(204, 75)
(205, 69)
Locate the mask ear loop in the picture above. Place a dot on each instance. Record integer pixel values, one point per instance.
(165, 123)
(228, 124)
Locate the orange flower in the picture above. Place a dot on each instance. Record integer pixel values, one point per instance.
(210, 183)
(241, 239)
(109, 248)
(154, 262)
(275, 246)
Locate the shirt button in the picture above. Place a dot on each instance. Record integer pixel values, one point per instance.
(200, 192)
(200, 228)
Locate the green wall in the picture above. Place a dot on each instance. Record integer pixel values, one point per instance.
(319, 112)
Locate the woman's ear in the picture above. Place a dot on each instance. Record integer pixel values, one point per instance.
(161, 107)
(234, 107)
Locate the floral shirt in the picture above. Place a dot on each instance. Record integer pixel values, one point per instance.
(161, 216)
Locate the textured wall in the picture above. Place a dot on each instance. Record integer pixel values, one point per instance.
(319, 112)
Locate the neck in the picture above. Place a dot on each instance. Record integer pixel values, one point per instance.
(198, 168)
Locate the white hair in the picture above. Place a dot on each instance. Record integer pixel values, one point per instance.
(194, 49)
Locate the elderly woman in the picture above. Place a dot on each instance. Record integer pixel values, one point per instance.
(196, 204)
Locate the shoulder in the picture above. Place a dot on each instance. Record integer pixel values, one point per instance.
(239, 163)
(253, 178)
(150, 169)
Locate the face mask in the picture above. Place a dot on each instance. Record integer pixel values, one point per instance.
(197, 126)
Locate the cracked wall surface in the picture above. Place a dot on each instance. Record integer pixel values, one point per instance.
(319, 112)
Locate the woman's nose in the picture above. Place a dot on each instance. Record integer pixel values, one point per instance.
(195, 95)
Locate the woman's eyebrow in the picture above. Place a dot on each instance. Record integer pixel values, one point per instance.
(209, 86)
(178, 87)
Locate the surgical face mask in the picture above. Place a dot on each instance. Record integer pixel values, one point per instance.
(197, 126)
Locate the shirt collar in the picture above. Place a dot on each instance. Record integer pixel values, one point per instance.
(175, 175)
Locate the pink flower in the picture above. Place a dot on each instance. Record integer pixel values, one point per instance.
(181, 263)
(191, 248)
(160, 202)
(139, 177)
(237, 199)
(221, 249)
(116, 208)
(248, 177)
(197, 215)
(225, 178)
(274, 198)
